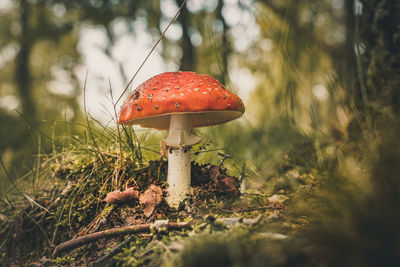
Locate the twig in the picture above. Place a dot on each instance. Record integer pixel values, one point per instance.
(138, 228)
(224, 157)
(151, 51)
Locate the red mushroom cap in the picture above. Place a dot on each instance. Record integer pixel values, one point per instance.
(203, 98)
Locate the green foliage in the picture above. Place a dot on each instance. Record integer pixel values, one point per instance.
(66, 190)
(321, 128)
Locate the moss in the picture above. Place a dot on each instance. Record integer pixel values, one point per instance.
(62, 261)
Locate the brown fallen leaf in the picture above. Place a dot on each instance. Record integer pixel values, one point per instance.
(227, 185)
(150, 198)
(213, 173)
(116, 197)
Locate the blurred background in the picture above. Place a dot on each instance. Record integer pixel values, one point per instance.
(299, 65)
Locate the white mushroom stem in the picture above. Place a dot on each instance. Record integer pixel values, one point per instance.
(178, 142)
(178, 176)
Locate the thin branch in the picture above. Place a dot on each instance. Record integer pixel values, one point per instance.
(151, 51)
(224, 157)
(138, 228)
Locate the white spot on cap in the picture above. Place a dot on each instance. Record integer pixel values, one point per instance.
(182, 94)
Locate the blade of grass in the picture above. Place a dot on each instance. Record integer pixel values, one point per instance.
(30, 200)
(87, 120)
(118, 137)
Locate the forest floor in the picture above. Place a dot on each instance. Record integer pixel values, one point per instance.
(98, 211)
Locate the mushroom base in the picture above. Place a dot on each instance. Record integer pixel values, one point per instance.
(178, 175)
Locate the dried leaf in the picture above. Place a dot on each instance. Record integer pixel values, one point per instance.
(213, 173)
(228, 186)
(150, 198)
(125, 196)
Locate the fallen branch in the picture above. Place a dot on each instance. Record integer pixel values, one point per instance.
(142, 228)
(138, 228)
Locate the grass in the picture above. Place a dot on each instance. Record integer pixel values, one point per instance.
(62, 197)
(65, 189)
(337, 207)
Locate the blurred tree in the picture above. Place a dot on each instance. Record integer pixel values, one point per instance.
(23, 74)
(378, 49)
(39, 45)
(41, 76)
(301, 59)
(298, 105)
(188, 60)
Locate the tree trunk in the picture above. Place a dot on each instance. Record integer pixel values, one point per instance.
(22, 72)
(188, 61)
(380, 33)
(225, 46)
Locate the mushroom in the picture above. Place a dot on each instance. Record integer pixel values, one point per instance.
(180, 101)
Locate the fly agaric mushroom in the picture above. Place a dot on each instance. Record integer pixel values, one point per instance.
(180, 101)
